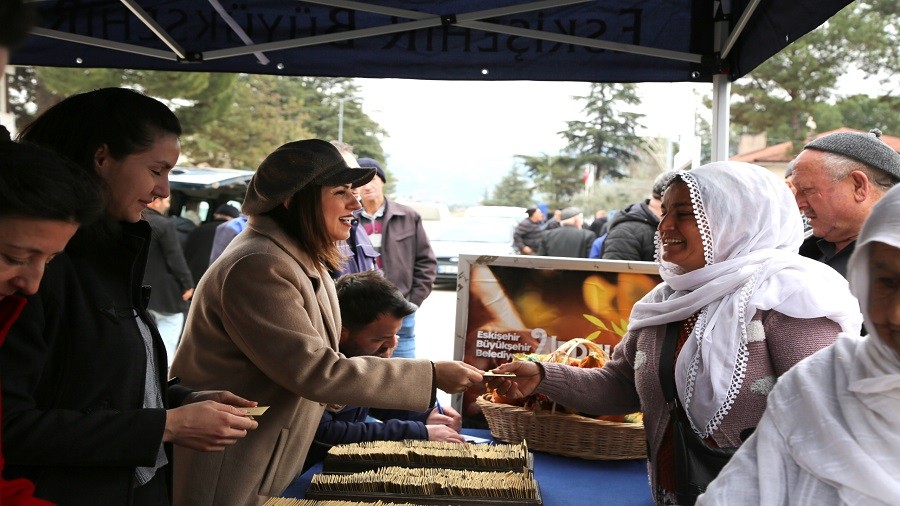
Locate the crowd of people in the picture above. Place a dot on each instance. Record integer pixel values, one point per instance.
(305, 304)
(627, 235)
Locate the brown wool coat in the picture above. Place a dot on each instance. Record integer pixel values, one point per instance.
(264, 324)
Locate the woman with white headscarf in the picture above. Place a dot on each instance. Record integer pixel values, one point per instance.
(831, 432)
(746, 305)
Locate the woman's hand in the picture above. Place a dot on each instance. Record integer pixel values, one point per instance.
(208, 421)
(451, 418)
(454, 377)
(528, 377)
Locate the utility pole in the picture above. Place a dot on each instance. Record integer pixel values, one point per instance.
(340, 120)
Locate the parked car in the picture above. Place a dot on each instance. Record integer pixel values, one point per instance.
(202, 189)
(473, 236)
(508, 212)
(433, 214)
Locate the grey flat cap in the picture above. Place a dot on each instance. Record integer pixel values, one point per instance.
(570, 212)
(865, 148)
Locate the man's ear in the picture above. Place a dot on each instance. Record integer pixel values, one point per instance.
(861, 185)
(345, 334)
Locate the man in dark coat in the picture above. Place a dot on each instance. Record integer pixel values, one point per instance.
(527, 237)
(407, 259)
(569, 240)
(171, 284)
(598, 226)
(372, 310)
(632, 230)
(200, 241)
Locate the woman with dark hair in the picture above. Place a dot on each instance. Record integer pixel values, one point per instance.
(736, 309)
(88, 413)
(265, 320)
(43, 200)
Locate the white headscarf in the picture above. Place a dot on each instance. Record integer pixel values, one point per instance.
(856, 448)
(751, 230)
(882, 225)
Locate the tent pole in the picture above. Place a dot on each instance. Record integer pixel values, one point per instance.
(721, 107)
(721, 110)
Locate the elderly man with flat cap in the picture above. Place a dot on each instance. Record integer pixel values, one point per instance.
(569, 240)
(837, 179)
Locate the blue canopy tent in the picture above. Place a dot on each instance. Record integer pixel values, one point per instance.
(714, 41)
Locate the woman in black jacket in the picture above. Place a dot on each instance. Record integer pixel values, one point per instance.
(88, 412)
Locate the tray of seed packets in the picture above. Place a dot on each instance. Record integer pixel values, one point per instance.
(428, 473)
(368, 455)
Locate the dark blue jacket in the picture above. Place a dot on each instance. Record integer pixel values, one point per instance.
(349, 425)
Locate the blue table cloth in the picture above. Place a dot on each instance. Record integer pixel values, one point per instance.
(563, 481)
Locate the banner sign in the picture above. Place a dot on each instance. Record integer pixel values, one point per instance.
(520, 305)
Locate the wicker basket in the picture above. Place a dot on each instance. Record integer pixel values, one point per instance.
(564, 434)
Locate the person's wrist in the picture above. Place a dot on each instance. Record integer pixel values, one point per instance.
(433, 401)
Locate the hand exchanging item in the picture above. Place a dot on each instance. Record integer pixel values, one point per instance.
(527, 376)
(455, 377)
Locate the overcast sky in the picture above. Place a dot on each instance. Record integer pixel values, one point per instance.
(452, 141)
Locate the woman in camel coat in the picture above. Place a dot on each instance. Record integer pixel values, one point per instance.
(265, 322)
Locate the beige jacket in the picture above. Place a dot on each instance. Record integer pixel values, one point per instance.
(264, 324)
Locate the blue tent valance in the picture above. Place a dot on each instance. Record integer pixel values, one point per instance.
(552, 40)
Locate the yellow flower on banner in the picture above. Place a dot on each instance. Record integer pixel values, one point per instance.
(535, 312)
(632, 288)
(599, 294)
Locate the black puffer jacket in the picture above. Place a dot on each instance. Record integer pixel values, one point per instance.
(631, 234)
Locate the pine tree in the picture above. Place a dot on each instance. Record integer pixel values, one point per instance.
(512, 190)
(798, 84)
(228, 120)
(606, 140)
(558, 177)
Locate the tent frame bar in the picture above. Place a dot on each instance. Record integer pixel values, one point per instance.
(420, 20)
(469, 20)
(739, 28)
(106, 44)
(236, 28)
(154, 27)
